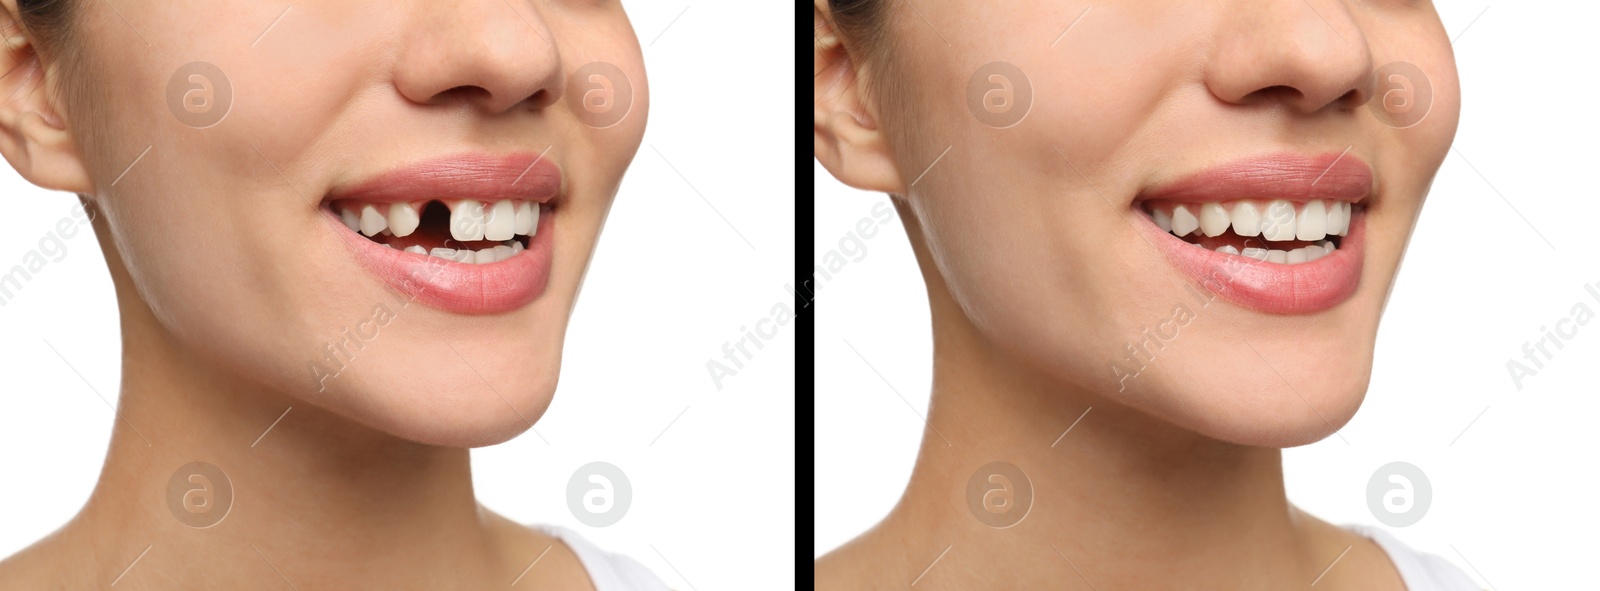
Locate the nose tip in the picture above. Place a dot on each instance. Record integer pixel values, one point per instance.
(1307, 56)
(488, 54)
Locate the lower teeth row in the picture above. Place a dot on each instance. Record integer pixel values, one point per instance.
(495, 254)
(1289, 257)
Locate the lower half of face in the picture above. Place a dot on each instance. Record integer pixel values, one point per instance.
(1120, 223)
(387, 238)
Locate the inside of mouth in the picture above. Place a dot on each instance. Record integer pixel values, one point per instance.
(434, 232)
(461, 230)
(1278, 231)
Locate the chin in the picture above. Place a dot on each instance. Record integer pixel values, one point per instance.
(434, 398)
(1306, 391)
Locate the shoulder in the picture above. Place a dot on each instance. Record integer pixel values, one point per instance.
(1420, 571)
(601, 570)
(608, 570)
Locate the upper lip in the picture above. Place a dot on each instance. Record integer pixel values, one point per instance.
(477, 176)
(1287, 176)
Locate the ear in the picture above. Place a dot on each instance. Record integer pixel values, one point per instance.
(34, 136)
(850, 144)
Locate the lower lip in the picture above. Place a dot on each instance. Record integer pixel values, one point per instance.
(1274, 288)
(464, 288)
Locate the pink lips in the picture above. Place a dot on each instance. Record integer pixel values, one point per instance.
(1274, 288)
(447, 285)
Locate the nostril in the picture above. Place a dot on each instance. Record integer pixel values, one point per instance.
(1354, 98)
(541, 99)
(462, 94)
(1280, 93)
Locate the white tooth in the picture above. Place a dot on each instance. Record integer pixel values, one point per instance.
(1344, 220)
(1227, 249)
(1277, 224)
(516, 247)
(484, 257)
(1259, 254)
(387, 245)
(1183, 222)
(1246, 219)
(465, 256)
(533, 226)
(403, 219)
(443, 253)
(467, 220)
(416, 249)
(1163, 220)
(1314, 252)
(1327, 247)
(1297, 256)
(372, 222)
(502, 221)
(527, 214)
(503, 252)
(1213, 219)
(1277, 256)
(1312, 221)
(351, 219)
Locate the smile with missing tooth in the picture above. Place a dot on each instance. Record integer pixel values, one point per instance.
(1274, 231)
(460, 230)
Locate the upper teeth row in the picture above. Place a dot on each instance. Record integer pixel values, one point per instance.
(1271, 220)
(469, 219)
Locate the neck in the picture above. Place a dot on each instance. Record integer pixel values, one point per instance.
(315, 497)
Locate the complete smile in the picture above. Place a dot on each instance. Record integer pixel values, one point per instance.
(1280, 234)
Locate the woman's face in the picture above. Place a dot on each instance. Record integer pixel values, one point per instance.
(1044, 150)
(227, 140)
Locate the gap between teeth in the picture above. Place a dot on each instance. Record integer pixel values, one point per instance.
(469, 219)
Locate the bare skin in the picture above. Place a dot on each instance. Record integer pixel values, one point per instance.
(1131, 502)
(318, 501)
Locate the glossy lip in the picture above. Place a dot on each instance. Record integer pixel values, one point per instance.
(483, 177)
(1271, 287)
(1293, 177)
(464, 288)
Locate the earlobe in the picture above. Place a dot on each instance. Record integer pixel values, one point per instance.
(34, 137)
(849, 141)
(51, 155)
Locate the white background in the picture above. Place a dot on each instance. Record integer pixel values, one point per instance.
(670, 283)
(1514, 494)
